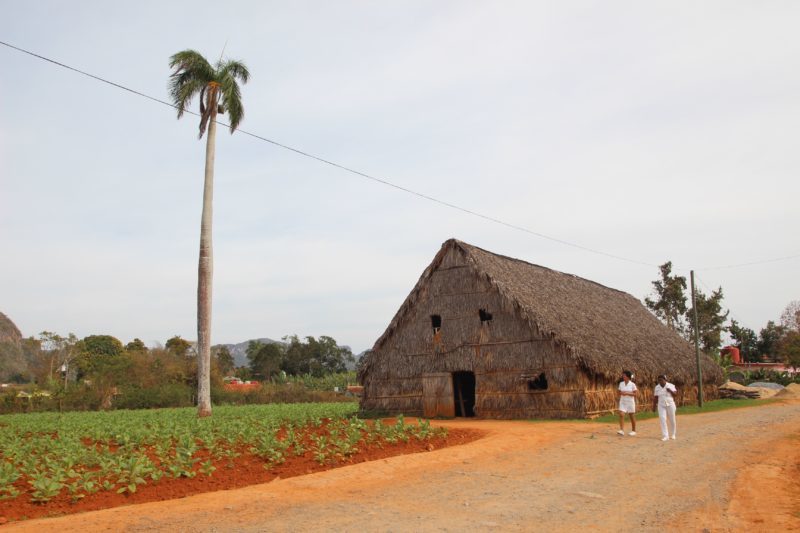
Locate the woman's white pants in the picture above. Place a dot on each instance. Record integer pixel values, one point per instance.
(665, 412)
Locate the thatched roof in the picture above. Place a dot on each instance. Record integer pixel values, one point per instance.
(604, 329)
(9, 331)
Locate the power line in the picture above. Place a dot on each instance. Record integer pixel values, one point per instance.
(774, 260)
(380, 180)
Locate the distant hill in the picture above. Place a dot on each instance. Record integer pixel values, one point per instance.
(9, 332)
(12, 360)
(239, 351)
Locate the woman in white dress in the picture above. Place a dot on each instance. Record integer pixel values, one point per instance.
(627, 402)
(664, 397)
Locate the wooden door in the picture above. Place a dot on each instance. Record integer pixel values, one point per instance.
(437, 395)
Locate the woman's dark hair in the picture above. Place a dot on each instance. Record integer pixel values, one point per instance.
(628, 373)
(662, 376)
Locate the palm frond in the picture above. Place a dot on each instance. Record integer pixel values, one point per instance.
(193, 61)
(183, 93)
(192, 73)
(236, 69)
(231, 99)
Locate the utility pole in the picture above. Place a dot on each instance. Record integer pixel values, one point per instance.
(697, 346)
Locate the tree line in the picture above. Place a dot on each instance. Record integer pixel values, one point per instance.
(294, 357)
(776, 341)
(99, 371)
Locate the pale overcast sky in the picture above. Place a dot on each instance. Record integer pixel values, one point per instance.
(650, 130)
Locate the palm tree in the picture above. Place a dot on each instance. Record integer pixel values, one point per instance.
(219, 92)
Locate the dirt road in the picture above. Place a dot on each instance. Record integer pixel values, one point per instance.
(729, 471)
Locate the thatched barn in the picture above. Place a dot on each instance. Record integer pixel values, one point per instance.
(495, 337)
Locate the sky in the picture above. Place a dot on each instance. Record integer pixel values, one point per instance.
(651, 131)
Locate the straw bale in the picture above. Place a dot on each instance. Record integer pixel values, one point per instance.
(732, 385)
(791, 391)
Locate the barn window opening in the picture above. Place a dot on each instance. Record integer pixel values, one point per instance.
(436, 323)
(538, 383)
(485, 316)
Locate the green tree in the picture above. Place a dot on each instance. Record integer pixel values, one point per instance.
(60, 352)
(315, 357)
(768, 340)
(711, 321)
(225, 361)
(746, 340)
(34, 358)
(107, 373)
(265, 359)
(669, 302)
(332, 357)
(101, 345)
(92, 353)
(790, 318)
(136, 345)
(218, 90)
(789, 349)
(178, 346)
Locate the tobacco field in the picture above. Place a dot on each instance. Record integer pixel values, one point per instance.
(77, 455)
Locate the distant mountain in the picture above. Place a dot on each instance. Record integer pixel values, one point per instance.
(12, 359)
(9, 331)
(239, 351)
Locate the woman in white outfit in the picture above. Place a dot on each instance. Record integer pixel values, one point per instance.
(664, 397)
(627, 402)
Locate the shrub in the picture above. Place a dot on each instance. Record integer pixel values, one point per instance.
(772, 376)
(166, 395)
(275, 393)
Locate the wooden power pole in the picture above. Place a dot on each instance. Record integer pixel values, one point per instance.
(697, 346)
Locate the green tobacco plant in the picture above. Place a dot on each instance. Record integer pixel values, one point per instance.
(207, 468)
(45, 487)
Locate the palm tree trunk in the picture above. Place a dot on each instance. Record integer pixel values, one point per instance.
(205, 274)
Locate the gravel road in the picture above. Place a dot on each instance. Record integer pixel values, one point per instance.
(523, 476)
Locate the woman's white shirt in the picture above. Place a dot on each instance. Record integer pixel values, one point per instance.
(665, 399)
(627, 387)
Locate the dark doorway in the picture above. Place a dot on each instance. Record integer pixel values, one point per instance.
(464, 393)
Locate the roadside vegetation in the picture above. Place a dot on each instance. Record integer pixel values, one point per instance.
(98, 372)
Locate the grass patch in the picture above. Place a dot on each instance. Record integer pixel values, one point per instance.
(708, 407)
